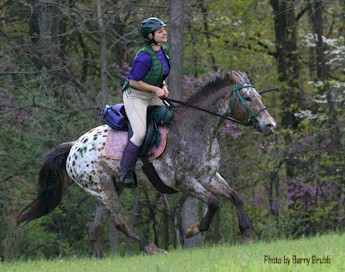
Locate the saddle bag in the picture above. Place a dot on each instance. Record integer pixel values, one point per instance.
(115, 117)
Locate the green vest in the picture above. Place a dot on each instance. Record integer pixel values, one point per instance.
(155, 75)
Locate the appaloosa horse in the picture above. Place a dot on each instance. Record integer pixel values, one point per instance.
(189, 163)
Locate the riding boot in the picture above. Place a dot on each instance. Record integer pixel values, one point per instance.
(128, 162)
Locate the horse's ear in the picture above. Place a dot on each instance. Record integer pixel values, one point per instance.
(245, 77)
(234, 76)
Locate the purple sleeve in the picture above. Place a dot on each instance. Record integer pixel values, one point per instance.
(141, 65)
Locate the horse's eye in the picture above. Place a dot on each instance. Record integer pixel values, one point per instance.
(248, 99)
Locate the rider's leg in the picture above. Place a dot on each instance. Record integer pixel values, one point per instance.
(136, 103)
(128, 162)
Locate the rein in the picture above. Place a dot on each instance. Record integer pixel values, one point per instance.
(201, 109)
(252, 121)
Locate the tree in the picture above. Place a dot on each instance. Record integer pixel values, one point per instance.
(176, 46)
(190, 208)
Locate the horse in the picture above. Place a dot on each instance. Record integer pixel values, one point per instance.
(189, 163)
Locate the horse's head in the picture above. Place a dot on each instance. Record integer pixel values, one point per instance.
(247, 106)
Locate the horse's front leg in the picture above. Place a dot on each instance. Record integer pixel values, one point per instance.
(192, 187)
(220, 187)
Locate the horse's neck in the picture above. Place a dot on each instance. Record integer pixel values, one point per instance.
(196, 122)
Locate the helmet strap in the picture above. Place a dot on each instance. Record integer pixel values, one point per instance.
(152, 41)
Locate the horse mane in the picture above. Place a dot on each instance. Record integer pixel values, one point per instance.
(219, 82)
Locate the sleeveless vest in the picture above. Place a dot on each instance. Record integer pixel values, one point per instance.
(155, 75)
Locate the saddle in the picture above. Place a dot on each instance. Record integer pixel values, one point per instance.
(117, 139)
(154, 143)
(156, 132)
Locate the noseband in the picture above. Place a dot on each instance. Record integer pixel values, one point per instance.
(252, 120)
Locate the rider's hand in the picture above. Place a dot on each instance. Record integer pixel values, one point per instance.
(162, 92)
(165, 89)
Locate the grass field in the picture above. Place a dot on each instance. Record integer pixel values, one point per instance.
(323, 253)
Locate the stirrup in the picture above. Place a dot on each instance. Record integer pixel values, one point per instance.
(129, 180)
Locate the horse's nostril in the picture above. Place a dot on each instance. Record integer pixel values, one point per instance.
(270, 128)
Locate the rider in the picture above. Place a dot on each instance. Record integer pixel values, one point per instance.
(144, 86)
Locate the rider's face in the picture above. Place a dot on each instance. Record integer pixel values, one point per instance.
(160, 35)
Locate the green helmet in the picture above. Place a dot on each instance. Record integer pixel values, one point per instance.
(150, 25)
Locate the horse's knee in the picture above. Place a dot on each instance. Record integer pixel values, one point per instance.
(213, 203)
(236, 199)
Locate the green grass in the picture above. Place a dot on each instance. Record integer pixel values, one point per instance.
(223, 257)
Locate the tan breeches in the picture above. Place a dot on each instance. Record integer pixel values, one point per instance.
(136, 103)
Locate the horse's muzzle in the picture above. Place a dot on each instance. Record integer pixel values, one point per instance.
(269, 129)
(267, 125)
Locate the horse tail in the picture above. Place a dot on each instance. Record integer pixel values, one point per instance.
(50, 185)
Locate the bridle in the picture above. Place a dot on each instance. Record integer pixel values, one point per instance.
(251, 121)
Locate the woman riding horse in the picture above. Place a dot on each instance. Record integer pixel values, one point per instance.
(144, 87)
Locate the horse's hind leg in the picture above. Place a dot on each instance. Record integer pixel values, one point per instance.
(95, 227)
(193, 188)
(220, 187)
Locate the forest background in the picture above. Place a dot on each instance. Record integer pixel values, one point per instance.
(63, 61)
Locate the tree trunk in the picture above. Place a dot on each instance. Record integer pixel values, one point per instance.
(166, 223)
(103, 57)
(189, 211)
(320, 48)
(322, 69)
(185, 215)
(285, 25)
(205, 15)
(120, 45)
(48, 17)
(190, 215)
(316, 11)
(176, 27)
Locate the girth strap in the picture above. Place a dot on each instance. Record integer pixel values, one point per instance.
(154, 178)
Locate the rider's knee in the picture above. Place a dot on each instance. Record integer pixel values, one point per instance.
(138, 138)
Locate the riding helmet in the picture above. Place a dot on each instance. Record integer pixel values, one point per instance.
(150, 25)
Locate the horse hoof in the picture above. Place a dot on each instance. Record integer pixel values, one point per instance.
(192, 230)
(153, 249)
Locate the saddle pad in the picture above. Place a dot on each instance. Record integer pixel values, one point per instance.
(116, 142)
